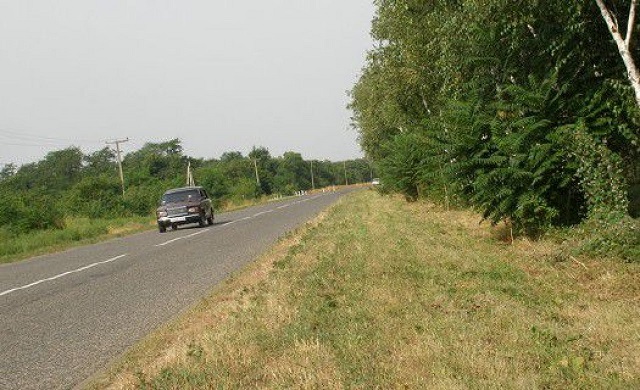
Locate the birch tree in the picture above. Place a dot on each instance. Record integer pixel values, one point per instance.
(624, 42)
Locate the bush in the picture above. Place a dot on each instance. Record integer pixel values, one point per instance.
(29, 212)
(611, 238)
(96, 197)
(400, 168)
(143, 200)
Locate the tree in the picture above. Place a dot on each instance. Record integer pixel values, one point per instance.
(624, 43)
(265, 166)
(8, 171)
(101, 161)
(476, 99)
(292, 175)
(155, 161)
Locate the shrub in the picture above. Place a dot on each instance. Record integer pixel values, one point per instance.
(96, 197)
(614, 237)
(29, 212)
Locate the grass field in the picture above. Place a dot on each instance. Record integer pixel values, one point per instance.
(78, 231)
(380, 293)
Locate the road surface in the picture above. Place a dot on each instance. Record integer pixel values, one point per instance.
(64, 316)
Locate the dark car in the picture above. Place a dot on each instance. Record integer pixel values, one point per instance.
(180, 206)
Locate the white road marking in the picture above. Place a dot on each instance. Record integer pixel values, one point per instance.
(262, 213)
(86, 267)
(183, 237)
(284, 206)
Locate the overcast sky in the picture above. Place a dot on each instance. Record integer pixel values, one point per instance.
(219, 75)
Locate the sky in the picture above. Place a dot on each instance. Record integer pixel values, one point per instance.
(219, 75)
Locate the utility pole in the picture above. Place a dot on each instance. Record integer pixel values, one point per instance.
(313, 183)
(346, 180)
(255, 165)
(117, 143)
(190, 181)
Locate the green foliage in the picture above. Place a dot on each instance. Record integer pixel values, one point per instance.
(401, 167)
(96, 197)
(293, 174)
(39, 196)
(513, 159)
(101, 161)
(243, 189)
(502, 105)
(29, 211)
(601, 176)
(143, 200)
(15, 245)
(634, 203)
(608, 236)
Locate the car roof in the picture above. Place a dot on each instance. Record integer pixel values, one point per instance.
(182, 189)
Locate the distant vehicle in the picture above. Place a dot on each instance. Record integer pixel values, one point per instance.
(375, 182)
(180, 206)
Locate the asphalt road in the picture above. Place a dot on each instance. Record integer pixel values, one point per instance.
(64, 316)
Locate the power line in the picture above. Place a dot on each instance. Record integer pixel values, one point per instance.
(21, 144)
(38, 138)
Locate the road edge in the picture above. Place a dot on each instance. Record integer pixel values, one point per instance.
(150, 350)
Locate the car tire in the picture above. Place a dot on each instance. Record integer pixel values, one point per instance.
(174, 226)
(162, 228)
(210, 219)
(203, 220)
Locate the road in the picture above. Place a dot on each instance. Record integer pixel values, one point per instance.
(65, 316)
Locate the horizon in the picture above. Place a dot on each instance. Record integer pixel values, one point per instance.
(219, 76)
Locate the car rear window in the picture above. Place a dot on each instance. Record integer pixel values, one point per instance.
(181, 196)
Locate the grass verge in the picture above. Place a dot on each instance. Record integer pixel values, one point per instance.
(78, 231)
(380, 293)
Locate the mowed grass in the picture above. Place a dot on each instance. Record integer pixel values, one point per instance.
(380, 293)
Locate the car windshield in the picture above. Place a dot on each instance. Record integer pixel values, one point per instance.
(181, 196)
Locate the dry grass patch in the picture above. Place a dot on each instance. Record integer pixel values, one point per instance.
(387, 294)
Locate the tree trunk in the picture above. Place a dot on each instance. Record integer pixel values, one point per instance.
(624, 44)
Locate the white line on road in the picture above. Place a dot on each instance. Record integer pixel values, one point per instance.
(183, 237)
(283, 206)
(86, 267)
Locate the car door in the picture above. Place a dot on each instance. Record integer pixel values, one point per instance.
(205, 202)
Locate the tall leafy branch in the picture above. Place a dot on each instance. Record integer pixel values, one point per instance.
(624, 42)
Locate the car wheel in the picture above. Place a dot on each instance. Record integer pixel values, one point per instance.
(210, 219)
(203, 220)
(162, 228)
(174, 226)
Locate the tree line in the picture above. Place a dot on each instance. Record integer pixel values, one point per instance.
(69, 183)
(522, 109)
